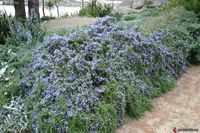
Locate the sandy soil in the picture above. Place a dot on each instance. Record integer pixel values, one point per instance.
(67, 22)
(178, 108)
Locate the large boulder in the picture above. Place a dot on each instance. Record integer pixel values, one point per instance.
(127, 6)
(137, 4)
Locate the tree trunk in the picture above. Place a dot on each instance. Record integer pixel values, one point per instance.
(93, 5)
(56, 4)
(43, 8)
(82, 4)
(19, 9)
(33, 5)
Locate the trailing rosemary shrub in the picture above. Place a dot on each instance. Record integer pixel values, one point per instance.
(88, 80)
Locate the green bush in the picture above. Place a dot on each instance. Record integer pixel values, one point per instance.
(14, 55)
(183, 27)
(13, 59)
(129, 18)
(96, 10)
(16, 118)
(4, 26)
(190, 5)
(117, 15)
(46, 18)
(195, 54)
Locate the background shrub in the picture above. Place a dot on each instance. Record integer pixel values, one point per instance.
(46, 18)
(96, 10)
(117, 15)
(129, 17)
(5, 30)
(190, 5)
(183, 27)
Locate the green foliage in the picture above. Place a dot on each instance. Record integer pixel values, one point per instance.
(105, 113)
(120, 96)
(4, 26)
(96, 10)
(109, 115)
(129, 18)
(13, 58)
(117, 15)
(49, 4)
(14, 55)
(137, 105)
(194, 56)
(138, 102)
(137, 19)
(190, 5)
(46, 18)
(59, 31)
(184, 30)
(161, 85)
(16, 118)
(3, 94)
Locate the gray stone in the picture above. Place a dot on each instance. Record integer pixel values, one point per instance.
(137, 4)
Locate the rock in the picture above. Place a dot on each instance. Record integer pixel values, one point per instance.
(126, 7)
(138, 4)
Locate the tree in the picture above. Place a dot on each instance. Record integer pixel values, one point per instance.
(43, 7)
(57, 7)
(94, 2)
(19, 9)
(33, 5)
(56, 4)
(49, 5)
(82, 2)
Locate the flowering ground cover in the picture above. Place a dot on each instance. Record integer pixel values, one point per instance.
(89, 79)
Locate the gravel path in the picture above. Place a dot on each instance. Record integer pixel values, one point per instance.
(178, 108)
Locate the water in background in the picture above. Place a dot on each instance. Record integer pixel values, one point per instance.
(62, 10)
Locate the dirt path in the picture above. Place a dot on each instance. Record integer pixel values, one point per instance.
(178, 108)
(67, 22)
